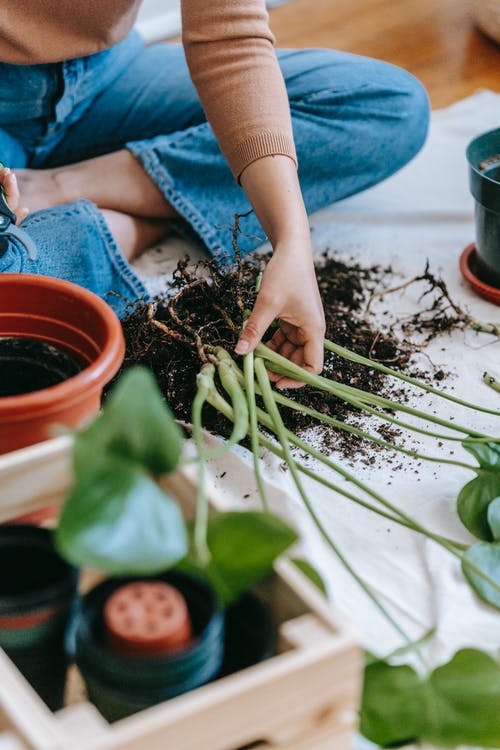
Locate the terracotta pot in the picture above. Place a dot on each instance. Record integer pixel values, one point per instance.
(37, 591)
(74, 320)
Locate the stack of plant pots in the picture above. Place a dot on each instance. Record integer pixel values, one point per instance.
(37, 595)
(142, 641)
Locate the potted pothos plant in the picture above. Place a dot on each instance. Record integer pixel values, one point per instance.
(119, 459)
(177, 610)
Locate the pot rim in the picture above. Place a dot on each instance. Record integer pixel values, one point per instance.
(101, 370)
(472, 145)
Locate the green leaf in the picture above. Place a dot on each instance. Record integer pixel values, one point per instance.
(308, 570)
(243, 547)
(463, 701)
(473, 502)
(391, 709)
(484, 558)
(136, 424)
(457, 704)
(487, 454)
(494, 518)
(118, 520)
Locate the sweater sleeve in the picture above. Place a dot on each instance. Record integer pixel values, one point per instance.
(230, 53)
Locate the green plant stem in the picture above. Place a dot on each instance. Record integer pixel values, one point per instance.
(267, 395)
(297, 406)
(491, 381)
(493, 328)
(238, 399)
(286, 367)
(454, 548)
(204, 385)
(386, 418)
(451, 546)
(219, 403)
(341, 351)
(291, 404)
(310, 450)
(403, 425)
(249, 379)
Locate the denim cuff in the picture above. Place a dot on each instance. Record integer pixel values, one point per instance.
(74, 243)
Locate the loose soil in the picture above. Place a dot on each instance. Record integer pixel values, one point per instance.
(204, 308)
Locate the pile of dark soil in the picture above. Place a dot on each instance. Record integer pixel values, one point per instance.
(204, 308)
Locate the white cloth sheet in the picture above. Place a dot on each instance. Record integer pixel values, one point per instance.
(423, 212)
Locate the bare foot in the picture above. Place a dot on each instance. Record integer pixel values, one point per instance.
(9, 183)
(114, 181)
(134, 235)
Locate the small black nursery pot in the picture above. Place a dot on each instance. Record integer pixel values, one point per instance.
(37, 591)
(137, 645)
(251, 634)
(483, 155)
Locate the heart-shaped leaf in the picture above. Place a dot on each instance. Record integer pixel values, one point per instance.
(481, 566)
(463, 700)
(457, 704)
(473, 502)
(136, 425)
(391, 710)
(487, 454)
(120, 521)
(243, 547)
(494, 518)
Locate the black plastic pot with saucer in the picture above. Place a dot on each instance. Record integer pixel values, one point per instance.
(483, 261)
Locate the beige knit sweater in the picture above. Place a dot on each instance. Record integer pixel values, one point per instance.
(229, 49)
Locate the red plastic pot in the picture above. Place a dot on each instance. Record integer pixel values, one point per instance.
(78, 322)
(469, 270)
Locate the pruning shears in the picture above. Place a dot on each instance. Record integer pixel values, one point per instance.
(8, 226)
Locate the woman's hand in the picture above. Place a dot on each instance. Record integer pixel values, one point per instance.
(289, 290)
(290, 293)
(8, 182)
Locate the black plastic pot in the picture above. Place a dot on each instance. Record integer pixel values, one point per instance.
(251, 634)
(222, 643)
(483, 155)
(37, 592)
(119, 684)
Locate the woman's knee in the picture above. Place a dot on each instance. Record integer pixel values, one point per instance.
(74, 243)
(406, 109)
(363, 108)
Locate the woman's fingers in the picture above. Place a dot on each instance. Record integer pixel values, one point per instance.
(8, 181)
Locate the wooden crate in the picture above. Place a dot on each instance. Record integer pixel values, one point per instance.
(304, 698)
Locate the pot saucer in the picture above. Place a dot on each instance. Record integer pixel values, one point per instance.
(468, 269)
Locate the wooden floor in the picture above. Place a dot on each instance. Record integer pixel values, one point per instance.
(433, 39)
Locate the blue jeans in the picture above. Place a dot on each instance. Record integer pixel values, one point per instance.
(355, 121)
